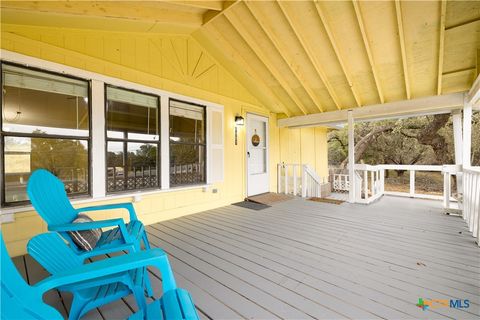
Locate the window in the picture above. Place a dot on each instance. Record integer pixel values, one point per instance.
(45, 124)
(187, 143)
(133, 142)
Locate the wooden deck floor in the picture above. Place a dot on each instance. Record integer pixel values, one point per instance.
(301, 259)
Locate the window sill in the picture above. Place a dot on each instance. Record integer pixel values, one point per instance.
(8, 214)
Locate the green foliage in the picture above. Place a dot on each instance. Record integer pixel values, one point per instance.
(419, 140)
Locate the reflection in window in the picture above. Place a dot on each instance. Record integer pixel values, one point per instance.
(132, 140)
(187, 143)
(41, 112)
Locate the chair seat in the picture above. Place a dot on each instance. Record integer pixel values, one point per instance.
(114, 236)
(175, 304)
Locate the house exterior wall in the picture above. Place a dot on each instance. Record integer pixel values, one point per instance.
(172, 63)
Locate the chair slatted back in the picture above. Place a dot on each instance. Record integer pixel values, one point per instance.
(18, 299)
(48, 197)
(53, 253)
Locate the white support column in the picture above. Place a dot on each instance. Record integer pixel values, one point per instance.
(164, 142)
(458, 143)
(99, 176)
(351, 157)
(467, 134)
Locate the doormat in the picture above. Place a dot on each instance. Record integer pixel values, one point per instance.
(251, 205)
(269, 198)
(326, 200)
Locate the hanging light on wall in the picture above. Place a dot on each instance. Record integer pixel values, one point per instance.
(239, 121)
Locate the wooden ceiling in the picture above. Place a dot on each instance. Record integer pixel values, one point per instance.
(303, 57)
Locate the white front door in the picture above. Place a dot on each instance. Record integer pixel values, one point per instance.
(257, 154)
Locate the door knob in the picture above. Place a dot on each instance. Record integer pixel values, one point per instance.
(248, 154)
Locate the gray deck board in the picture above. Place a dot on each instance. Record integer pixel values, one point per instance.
(302, 259)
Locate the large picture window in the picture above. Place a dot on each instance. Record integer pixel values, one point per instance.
(187, 143)
(45, 124)
(133, 142)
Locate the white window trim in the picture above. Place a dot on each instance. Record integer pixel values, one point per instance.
(98, 165)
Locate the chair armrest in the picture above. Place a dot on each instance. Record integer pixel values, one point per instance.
(86, 225)
(128, 248)
(154, 257)
(93, 225)
(127, 205)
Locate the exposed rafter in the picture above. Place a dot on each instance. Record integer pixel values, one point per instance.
(243, 31)
(211, 15)
(340, 59)
(283, 53)
(208, 5)
(398, 10)
(441, 46)
(311, 56)
(226, 45)
(361, 25)
(462, 23)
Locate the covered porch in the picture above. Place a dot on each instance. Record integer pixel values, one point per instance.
(301, 259)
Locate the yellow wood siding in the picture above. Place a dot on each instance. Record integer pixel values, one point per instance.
(173, 63)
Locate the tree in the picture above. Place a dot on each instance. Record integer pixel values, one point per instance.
(417, 140)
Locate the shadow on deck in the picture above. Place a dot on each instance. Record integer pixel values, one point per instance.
(301, 259)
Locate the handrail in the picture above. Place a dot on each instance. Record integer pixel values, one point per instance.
(298, 179)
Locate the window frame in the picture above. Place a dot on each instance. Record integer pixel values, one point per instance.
(97, 166)
(126, 140)
(205, 144)
(4, 134)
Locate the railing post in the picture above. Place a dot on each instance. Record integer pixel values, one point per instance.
(446, 189)
(286, 179)
(294, 179)
(279, 178)
(304, 182)
(466, 196)
(382, 181)
(365, 184)
(412, 183)
(476, 204)
(373, 173)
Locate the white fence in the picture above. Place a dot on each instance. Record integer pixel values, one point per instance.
(471, 200)
(298, 179)
(370, 182)
(341, 182)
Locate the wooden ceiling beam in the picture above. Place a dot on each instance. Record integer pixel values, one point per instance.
(207, 5)
(230, 51)
(211, 15)
(311, 56)
(361, 25)
(390, 110)
(441, 46)
(281, 50)
(398, 11)
(340, 59)
(249, 38)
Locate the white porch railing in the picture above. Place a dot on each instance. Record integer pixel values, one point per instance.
(298, 179)
(471, 200)
(369, 183)
(341, 182)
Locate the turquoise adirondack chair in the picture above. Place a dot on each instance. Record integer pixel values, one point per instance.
(56, 257)
(18, 300)
(48, 197)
